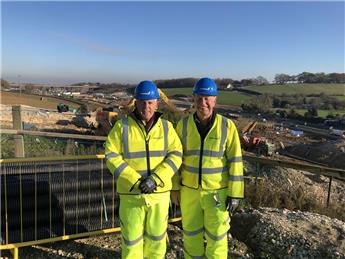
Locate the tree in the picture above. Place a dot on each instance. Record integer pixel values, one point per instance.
(311, 113)
(335, 78)
(307, 77)
(4, 84)
(28, 88)
(224, 82)
(262, 103)
(281, 79)
(260, 80)
(246, 82)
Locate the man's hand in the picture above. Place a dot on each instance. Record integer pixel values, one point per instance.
(147, 185)
(232, 204)
(175, 197)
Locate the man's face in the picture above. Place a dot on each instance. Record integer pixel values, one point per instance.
(146, 108)
(204, 105)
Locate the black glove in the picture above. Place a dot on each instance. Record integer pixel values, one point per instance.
(147, 185)
(232, 204)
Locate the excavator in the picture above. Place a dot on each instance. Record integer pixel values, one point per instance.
(253, 143)
(107, 116)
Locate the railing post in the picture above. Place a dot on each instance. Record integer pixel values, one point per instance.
(329, 190)
(15, 253)
(17, 125)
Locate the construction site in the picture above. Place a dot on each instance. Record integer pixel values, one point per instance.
(294, 175)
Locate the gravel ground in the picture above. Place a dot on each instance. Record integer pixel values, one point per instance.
(280, 233)
(263, 233)
(109, 246)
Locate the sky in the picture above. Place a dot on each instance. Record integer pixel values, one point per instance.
(126, 42)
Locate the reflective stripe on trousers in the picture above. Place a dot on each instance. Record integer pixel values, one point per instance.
(201, 217)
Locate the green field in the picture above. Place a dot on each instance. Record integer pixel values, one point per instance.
(321, 113)
(35, 146)
(224, 97)
(341, 98)
(237, 98)
(330, 89)
(10, 98)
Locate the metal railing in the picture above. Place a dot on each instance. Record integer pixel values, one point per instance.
(50, 199)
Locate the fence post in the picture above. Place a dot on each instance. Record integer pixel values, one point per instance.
(329, 190)
(18, 125)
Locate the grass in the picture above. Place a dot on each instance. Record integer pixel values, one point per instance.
(48, 147)
(232, 98)
(265, 193)
(236, 98)
(340, 97)
(330, 89)
(10, 98)
(173, 91)
(224, 97)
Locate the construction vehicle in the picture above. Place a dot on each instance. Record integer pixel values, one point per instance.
(61, 107)
(105, 120)
(106, 117)
(256, 144)
(170, 111)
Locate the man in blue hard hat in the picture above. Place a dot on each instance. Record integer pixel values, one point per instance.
(210, 182)
(144, 152)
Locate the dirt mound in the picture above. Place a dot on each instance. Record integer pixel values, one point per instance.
(296, 190)
(276, 233)
(294, 181)
(331, 153)
(45, 119)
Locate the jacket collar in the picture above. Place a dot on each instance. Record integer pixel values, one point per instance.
(136, 116)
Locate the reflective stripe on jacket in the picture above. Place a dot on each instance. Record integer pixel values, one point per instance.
(214, 163)
(130, 151)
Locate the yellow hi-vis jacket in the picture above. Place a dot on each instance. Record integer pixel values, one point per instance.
(132, 153)
(214, 163)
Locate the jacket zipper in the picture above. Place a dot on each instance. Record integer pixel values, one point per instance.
(200, 160)
(147, 149)
(147, 145)
(147, 156)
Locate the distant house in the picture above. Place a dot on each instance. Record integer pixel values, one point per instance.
(229, 86)
(98, 95)
(291, 82)
(120, 94)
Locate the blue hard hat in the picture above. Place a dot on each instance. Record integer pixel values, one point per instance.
(146, 90)
(205, 86)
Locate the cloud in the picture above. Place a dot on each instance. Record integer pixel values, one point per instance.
(101, 49)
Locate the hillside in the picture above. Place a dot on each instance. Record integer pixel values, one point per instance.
(331, 89)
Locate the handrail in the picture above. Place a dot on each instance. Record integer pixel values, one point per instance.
(313, 168)
(60, 158)
(295, 164)
(52, 134)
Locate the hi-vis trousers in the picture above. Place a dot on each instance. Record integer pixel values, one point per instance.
(144, 221)
(204, 213)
